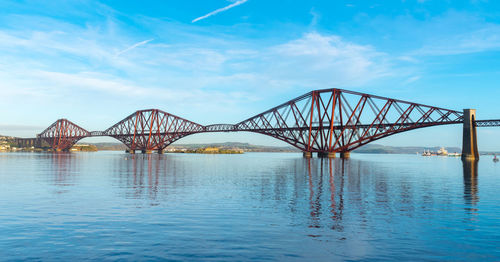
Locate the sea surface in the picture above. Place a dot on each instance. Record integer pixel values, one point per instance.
(109, 206)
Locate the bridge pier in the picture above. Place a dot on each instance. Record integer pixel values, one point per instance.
(146, 151)
(307, 154)
(469, 142)
(346, 154)
(160, 151)
(130, 151)
(327, 154)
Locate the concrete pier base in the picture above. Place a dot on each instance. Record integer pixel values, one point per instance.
(160, 151)
(345, 154)
(130, 151)
(469, 142)
(327, 154)
(307, 154)
(147, 151)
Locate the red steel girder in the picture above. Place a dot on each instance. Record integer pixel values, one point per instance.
(337, 120)
(152, 129)
(63, 134)
(328, 120)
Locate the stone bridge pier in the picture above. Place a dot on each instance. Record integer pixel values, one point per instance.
(469, 142)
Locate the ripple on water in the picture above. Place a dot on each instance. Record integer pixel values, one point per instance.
(255, 206)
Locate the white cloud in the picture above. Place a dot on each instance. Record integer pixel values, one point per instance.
(412, 79)
(237, 3)
(483, 39)
(453, 33)
(90, 81)
(68, 66)
(313, 61)
(315, 17)
(317, 60)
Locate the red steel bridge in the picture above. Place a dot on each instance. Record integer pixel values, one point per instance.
(324, 121)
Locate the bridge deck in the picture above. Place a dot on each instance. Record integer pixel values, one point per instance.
(328, 120)
(488, 123)
(234, 128)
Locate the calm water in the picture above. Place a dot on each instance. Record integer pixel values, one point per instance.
(260, 206)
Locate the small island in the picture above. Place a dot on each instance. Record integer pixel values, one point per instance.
(207, 150)
(84, 148)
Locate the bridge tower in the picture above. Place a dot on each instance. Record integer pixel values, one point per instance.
(469, 142)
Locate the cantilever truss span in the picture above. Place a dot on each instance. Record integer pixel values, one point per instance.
(63, 134)
(329, 120)
(336, 120)
(152, 129)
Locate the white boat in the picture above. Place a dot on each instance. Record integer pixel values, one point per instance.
(427, 153)
(442, 152)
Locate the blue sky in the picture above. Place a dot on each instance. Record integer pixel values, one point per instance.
(219, 61)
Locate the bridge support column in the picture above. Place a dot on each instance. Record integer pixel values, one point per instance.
(307, 154)
(131, 151)
(147, 151)
(38, 142)
(346, 154)
(160, 151)
(327, 154)
(469, 142)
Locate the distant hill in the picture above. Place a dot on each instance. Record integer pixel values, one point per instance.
(246, 147)
(110, 146)
(381, 149)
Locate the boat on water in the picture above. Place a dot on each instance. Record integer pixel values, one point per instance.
(442, 152)
(495, 159)
(454, 154)
(427, 153)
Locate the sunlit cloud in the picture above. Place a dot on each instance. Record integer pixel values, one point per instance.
(319, 61)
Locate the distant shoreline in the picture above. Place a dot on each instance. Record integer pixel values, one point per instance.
(7, 144)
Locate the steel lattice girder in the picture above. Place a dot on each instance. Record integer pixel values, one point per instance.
(152, 129)
(487, 123)
(329, 120)
(63, 134)
(336, 120)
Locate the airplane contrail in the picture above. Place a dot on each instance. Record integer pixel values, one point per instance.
(237, 3)
(133, 46)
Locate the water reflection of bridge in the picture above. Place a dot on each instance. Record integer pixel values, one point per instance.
(328, 192)
(471, 195)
